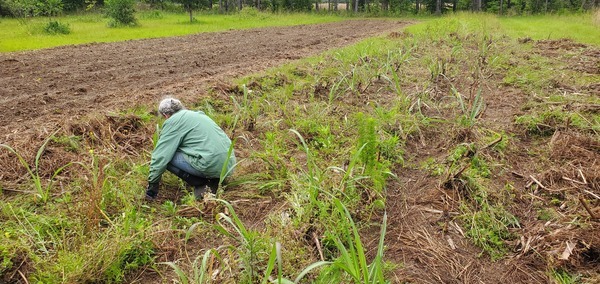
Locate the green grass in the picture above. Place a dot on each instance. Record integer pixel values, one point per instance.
(28, 34)
(578, 27)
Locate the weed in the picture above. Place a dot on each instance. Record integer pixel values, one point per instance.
(471, 109)
(488, 228)
(368, 140)
(561, 276)
(545, 123)
(392, 66)
(487, 223)
(546, 214)
(131, 256)
(250, 241)
(437, 69)
(71, 143)
(352, 259)
(170, 208)
(97, 170)
(247, 110)
(42, 191)
(199, 269)
(56, 27)
(432, 166)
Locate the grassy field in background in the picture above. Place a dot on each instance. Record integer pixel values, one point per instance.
(578, 27)
(17, 35)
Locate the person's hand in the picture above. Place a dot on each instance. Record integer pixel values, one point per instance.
(151, 191)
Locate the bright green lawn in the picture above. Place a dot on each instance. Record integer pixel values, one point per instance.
(579, 27)
(28, 35)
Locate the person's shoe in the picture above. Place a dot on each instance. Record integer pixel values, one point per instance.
(149, 197)
(199, 191)
(213, 184)
(151, 192)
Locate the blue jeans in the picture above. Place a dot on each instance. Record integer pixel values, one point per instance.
(180, 163)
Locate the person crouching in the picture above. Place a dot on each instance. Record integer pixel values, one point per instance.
(191, 146)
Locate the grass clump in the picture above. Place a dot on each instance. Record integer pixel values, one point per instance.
(546, 123)
(56, 27)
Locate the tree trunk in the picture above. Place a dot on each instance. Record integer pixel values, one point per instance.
(355, 6)
(477, 5)
(191, 17)
(454, 5)
(438, 7)
(240, 5)
(501, 3)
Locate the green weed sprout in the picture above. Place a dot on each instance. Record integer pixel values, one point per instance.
(199, 271)
(470, 111)
(276, 257)
(352, 259)
(248, 238)
(43, 191)
(251, 243)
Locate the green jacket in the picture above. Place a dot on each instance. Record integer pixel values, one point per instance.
(199, 138)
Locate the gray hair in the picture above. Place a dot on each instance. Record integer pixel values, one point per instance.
(169, 106)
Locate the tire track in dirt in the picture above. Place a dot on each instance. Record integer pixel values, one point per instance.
(40, 89)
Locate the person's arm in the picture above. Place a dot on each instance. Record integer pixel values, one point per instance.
(167, 145)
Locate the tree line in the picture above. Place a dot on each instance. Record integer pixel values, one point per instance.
(30, 8)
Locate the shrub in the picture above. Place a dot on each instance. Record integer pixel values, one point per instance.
(56, 27)
(122, 12)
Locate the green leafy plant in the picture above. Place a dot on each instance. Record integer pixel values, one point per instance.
(250, 240)
(471, 109)
(71, 143)
(169, 207)
(122, 12)
(352, 259)
(275, 257)
(199, 268)
(56, 27)
(437, 69)
(561, 276)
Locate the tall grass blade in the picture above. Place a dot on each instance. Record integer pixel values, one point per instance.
(182, 277)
